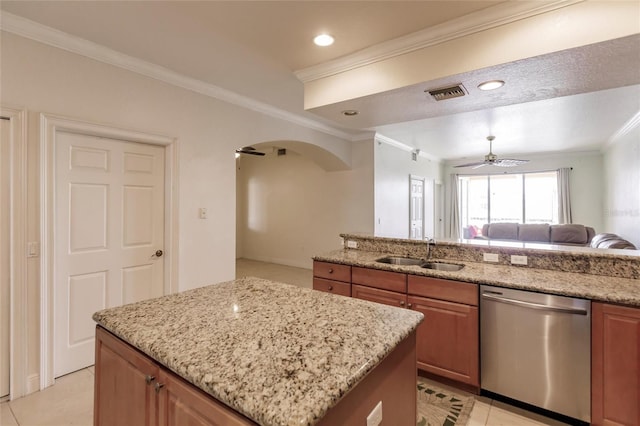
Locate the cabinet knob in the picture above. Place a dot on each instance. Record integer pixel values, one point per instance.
(331, 270)
(402, 303)
(158, 386)
(148, 378)
(330, 287)
(409, 305)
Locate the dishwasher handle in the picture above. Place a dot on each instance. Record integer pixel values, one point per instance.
(531, 305)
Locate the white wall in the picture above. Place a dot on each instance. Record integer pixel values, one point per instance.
(622, 187)
(587, 186)
(41, 78)
(392, 169)
(293, 209)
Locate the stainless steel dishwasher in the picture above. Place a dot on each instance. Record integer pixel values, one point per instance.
(536, 348)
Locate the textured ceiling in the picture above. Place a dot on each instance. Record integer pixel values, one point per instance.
(562, 101)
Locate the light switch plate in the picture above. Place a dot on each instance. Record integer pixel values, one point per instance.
(203, 213)
(352, 244)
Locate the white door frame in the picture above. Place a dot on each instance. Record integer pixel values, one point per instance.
(18, 252)
(424, 182)
(49, 126)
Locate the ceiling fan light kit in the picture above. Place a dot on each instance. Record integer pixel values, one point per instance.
(492, 160)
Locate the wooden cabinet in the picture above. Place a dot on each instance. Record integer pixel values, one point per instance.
(181, 404)
(615, 364)
(131, 389)
(124, 392)
(332, 278)
(391, 298)
(384, 280)
(448, 338)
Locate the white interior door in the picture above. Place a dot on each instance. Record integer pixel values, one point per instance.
(5, 134)
(109, 223)
(416, 208)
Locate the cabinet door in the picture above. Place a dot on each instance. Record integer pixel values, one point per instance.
(380, 296)
(329, 286)
(182, 404)
(123, 393)
(447, 339)
(615, 364)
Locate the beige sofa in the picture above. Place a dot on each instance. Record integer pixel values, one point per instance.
(573, 234)
(611, 241)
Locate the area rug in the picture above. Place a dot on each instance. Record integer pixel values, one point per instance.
(439, 407)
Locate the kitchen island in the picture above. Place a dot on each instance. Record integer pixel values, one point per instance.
(259, 352)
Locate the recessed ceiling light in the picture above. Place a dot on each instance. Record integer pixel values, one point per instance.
(491, 85)
(323, 40)
(350, 112)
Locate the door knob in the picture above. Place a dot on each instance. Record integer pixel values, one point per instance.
(159, 253)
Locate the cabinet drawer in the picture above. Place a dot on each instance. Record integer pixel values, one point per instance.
(391, 298)
(329, 286)
(332, 271)
(385, 280)
(436, 288)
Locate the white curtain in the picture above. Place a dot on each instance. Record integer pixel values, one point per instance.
(454, 218)
(564, 196)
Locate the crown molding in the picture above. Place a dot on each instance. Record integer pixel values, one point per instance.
(380, 138)
(41, 33)
(495, 16)
(629, 126)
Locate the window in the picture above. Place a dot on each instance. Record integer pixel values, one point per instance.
(521, 198)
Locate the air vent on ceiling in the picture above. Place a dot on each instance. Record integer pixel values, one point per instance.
(447, 92)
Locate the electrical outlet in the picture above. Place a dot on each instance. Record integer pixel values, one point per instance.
(490, 257)
(375, 416)
(518, 260)
(352, 244)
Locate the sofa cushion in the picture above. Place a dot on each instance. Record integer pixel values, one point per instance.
(568, 234)
(534, 232)
(503, 231)
(611, 241)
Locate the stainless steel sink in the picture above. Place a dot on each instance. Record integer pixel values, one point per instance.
(441, 266)
(399, 260)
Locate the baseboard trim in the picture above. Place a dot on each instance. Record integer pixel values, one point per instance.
(33, 383)
(285, 262)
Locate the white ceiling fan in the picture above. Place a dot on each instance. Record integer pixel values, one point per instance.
(492, 160)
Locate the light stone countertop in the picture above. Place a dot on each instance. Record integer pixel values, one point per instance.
(595, 287)
(279, 354)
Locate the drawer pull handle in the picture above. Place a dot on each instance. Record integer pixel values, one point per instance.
(149, 379)
(330, 287)
(158, 386)
(331, 270)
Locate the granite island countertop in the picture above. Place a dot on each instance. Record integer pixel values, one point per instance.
(624, 291)
(279, 354)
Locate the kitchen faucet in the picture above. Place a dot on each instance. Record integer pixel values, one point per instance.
(430, 242)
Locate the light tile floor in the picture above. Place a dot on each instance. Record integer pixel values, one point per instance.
(70, 400)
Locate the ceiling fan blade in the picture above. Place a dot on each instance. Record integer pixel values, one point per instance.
(249, 150)
(474, 165)
(509, 162)
(252, 153)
